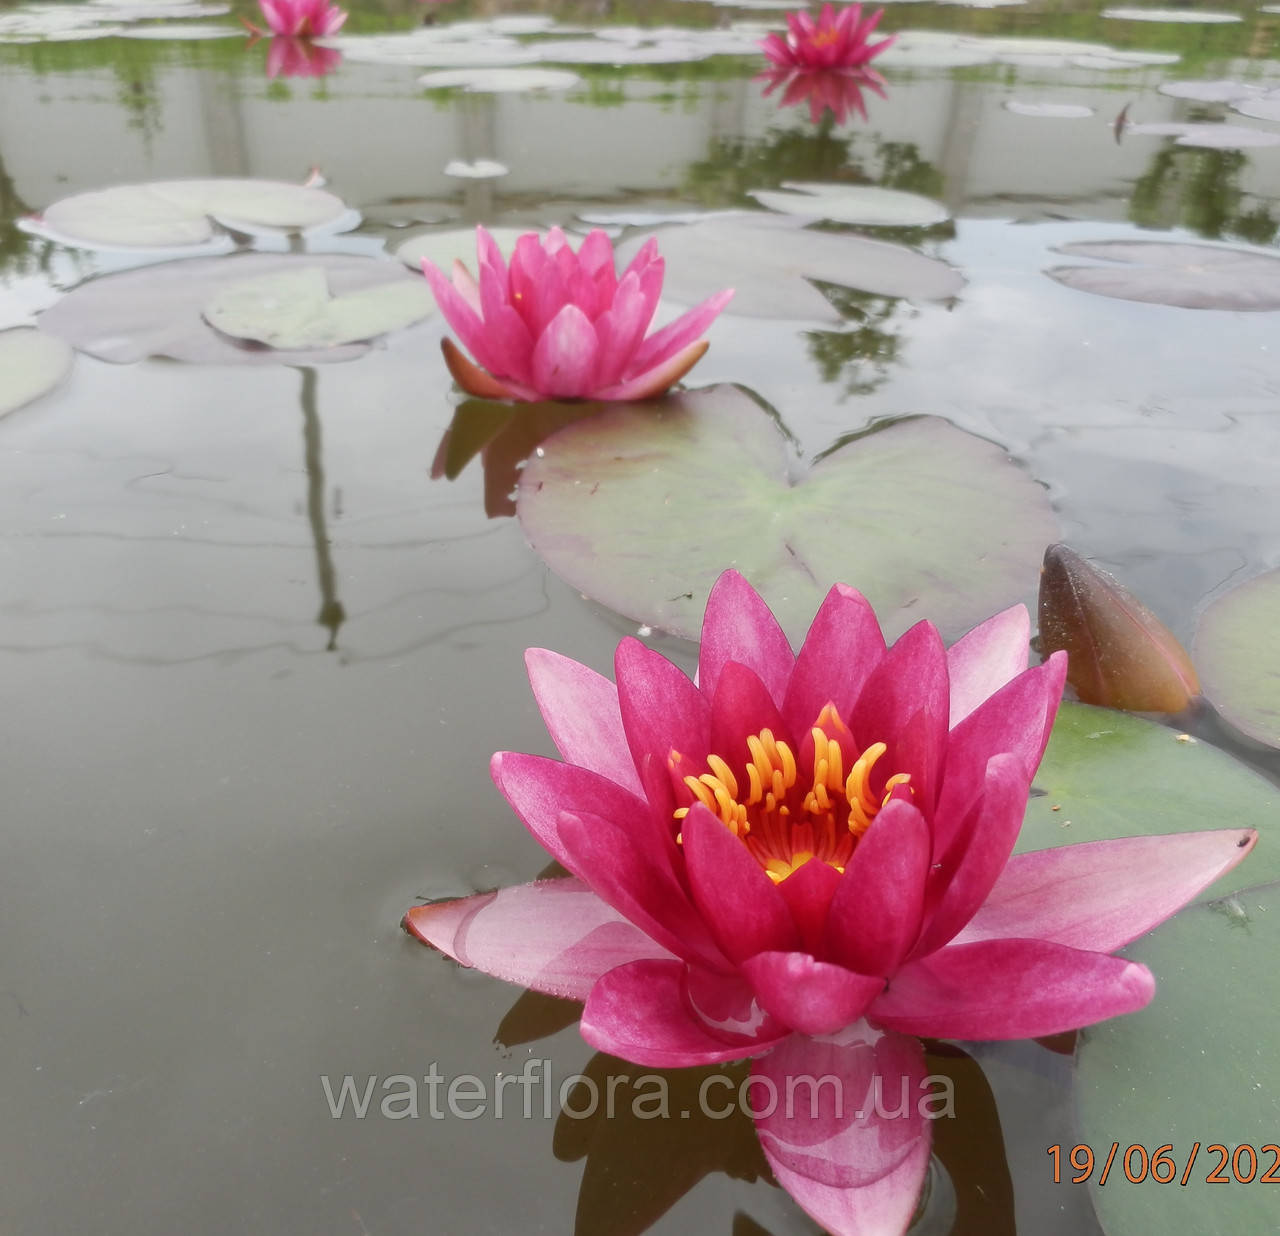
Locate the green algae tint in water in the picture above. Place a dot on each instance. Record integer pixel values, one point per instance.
(256, 658)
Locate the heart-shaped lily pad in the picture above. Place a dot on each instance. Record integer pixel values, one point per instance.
(1239, 657)
(176, 213)
(769, 260)
(158, 310)
(295, 310)
(869, 205)
(1109, 774)
(1197, 1069)
(31, 364)
(1167, 273)
(644, 505)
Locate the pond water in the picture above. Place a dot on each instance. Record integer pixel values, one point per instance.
(257, 648)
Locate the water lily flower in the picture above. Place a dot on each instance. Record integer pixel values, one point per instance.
(555, 324)
(290, 57)
(805, 859)
(836, 90)
(835, 40)
(302, 19)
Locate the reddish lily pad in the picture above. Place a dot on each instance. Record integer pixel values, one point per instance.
(31, 364)
(157, 310)
(769, 260)
(1239, 657)
(644, 505)
(1168, 273)
(1195, 1070)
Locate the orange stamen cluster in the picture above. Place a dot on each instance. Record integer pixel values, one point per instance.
(782, 823)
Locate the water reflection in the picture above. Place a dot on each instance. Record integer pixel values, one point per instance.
(829, 92)
(292, 57)
(331, 615)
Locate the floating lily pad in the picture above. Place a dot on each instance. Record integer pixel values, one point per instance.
(869, 205)
(157, 310)
(169, 31)
(1167, 273)
(455, 245)
(295, 310)
(1207, 16)
(644, 505)
(1267, 107)
(477, 169)
(176, 213)
(1054, 111)
(1111, 774)
(1195, 1068)
(499, 81)
(1209, 92)
(31, 364)
(1239, 657)
(1208, 136)
(770, 258)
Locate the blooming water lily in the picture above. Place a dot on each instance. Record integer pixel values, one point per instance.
(834, 41)
(555, 324)
(302, 19)
(805, 859)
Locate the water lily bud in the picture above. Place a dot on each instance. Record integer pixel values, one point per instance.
(1120, 655)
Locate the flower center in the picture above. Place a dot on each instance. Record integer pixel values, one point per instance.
(824, 38)
(782, 820)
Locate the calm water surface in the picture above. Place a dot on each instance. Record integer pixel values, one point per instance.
(255, 659)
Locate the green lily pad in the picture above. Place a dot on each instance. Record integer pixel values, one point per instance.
(295, 309)
(1239, 659)
(869, 205)
(1196, 1068)
(178, 213)
(643, 506)
(1108, 774)
(31, 364)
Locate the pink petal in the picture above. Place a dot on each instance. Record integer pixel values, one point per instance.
(654, 382)
(1099, 895)
(507, 335)
(488, 253)
(619, 330)
(842, 647)
(580, 709)
(677, 335)
(475, 381)
(641, 1012)
(646, 256)
(882, 1208)
(638, 881)
(743, 907)
(810, 996)
(962, 876)
(539, 789)
(875, 913)
(1009, 989)
(808, 893)
(555, 936)
(742, 707)
(564, 358)
(984, 660)
(848, 1115)
(466, 285)
(739, 626)
(461, 316)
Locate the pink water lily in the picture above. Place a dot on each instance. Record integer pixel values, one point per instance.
(836, 90)
(835, 40)
(303, 19)
(805, 858)
(555, 324)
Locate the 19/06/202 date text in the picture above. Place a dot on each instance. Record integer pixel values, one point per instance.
(1243, 1164)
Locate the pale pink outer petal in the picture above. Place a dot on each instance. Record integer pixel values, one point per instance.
(279, 16)
(655, 381)
(675, 336)
(580, 709)
(1099, 895)
(990, 655)
(555, 936)
(810, 996)
(564, 357)
(849, 1113)
(467, 287)
(462, 317)
(619, 330)
(739, 626)
(641, 1013)
(333, 21)
(883, 1208)
(1010, 989)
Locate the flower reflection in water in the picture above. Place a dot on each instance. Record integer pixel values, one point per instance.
(838, 91)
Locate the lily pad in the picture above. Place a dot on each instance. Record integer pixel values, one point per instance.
(770, 258)
(644, 505)
(31, 364)
(294, 309)
(1196, 1068)
(1168, 273)
(157, 310)
(455, 245)
(1053, 111)
(1207, 16)
(1209, 91)
(1265, 108)
(1110, 774)
(1239, 658)
(176, 213)
(869, 205)
(499, 81)
(1207, 136)
(477, 169)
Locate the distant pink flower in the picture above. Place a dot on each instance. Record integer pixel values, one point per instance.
(289, 57)
(834, 41)
(555, 324)
(836, 90)
(303, 19)
(805, 858)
